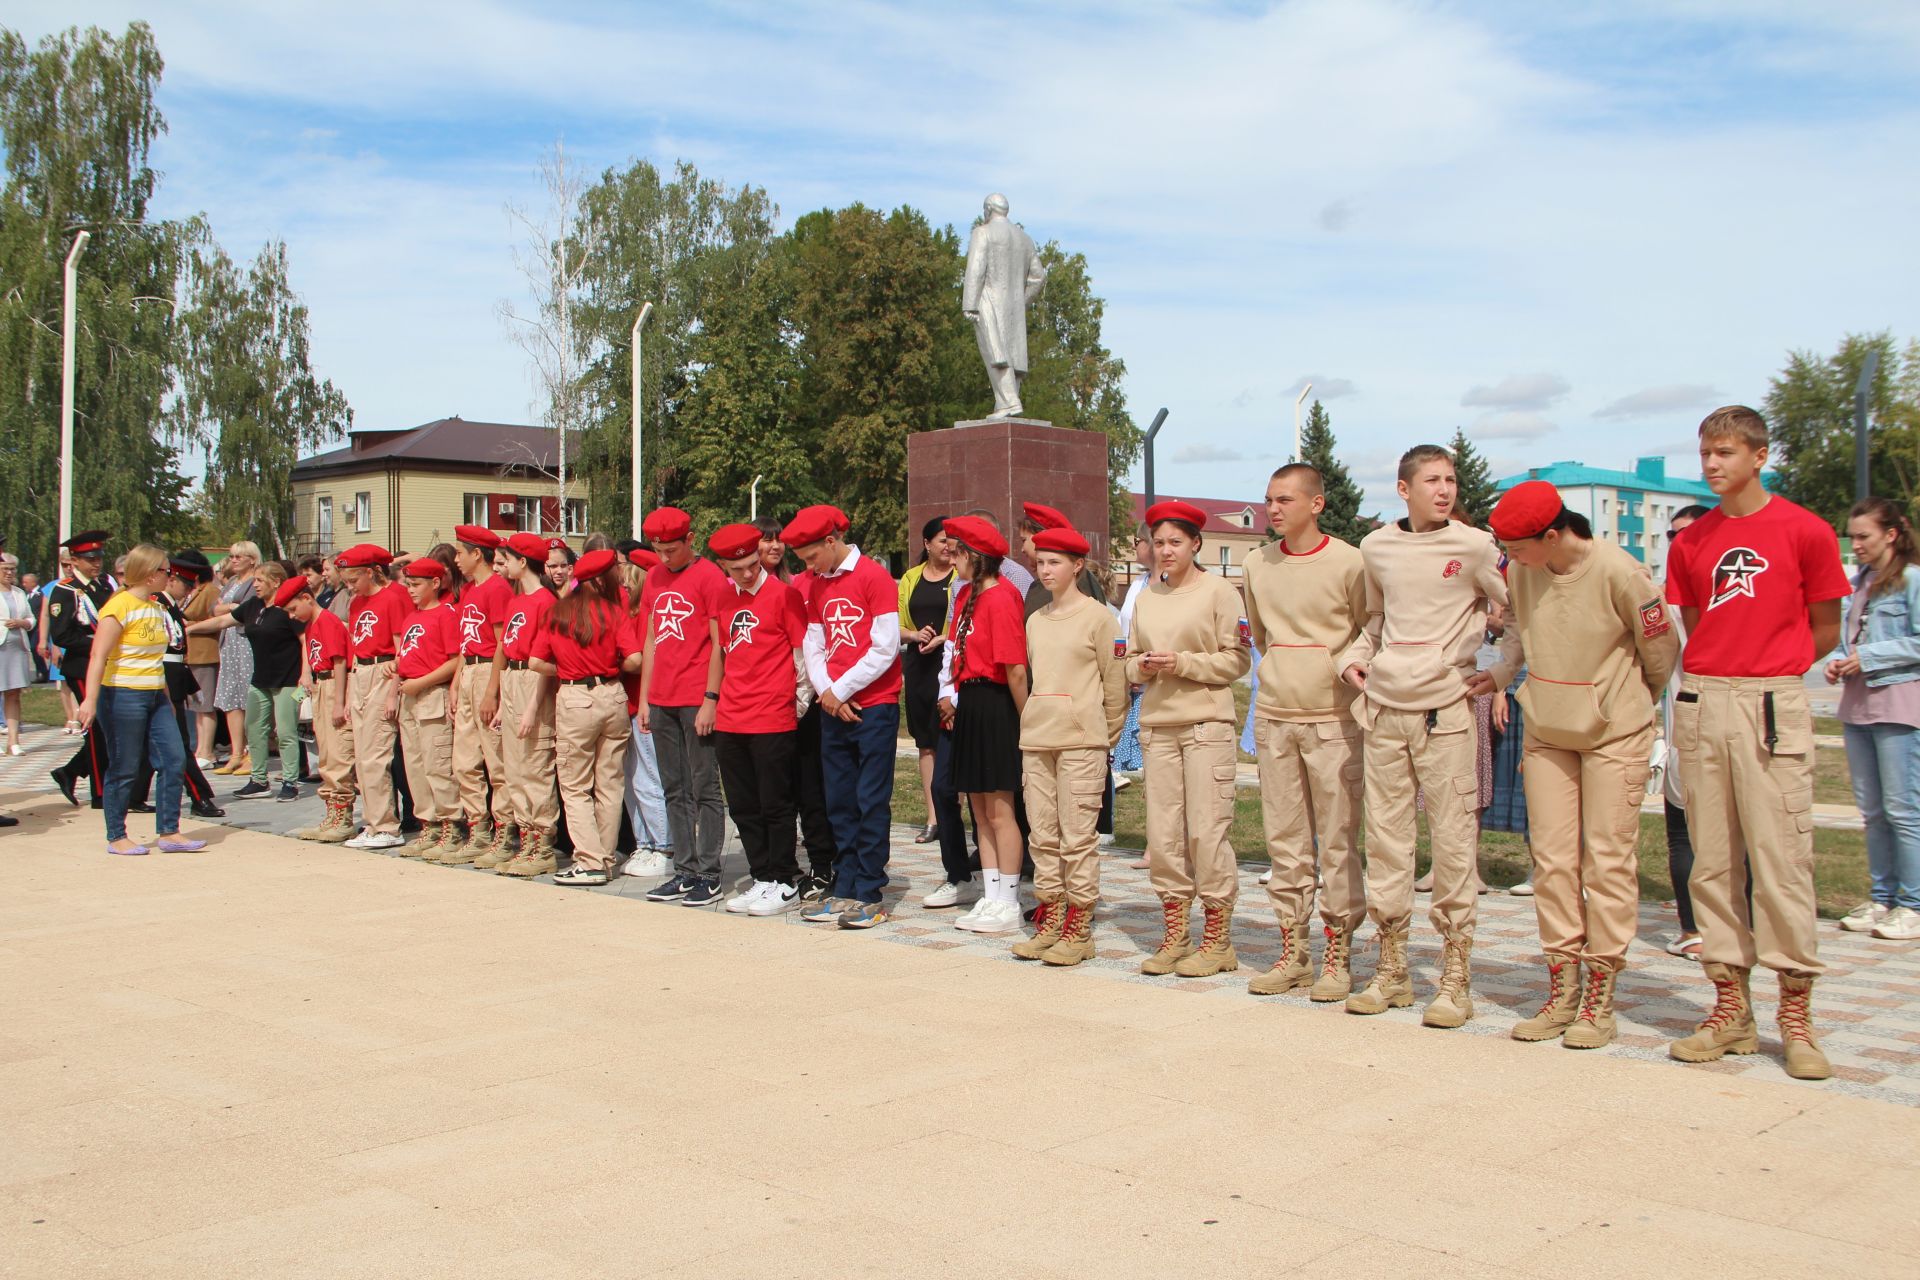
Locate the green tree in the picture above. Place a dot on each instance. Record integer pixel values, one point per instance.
(249, 396)
(77, 121)
(1477, 493)
(1342, 517)
(1809, 412)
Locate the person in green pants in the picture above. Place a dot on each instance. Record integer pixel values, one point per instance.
(272, 698)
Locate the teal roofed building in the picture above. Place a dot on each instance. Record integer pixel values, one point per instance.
(1628, 508)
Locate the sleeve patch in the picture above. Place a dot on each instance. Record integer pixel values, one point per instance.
(1654, 620)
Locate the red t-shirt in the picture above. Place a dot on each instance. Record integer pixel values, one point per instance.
(996, 634)
(843, 607)
(427, 638)
(326, 642)
(759, 634)
(632, 640)
(804, 582)
(525, 615)
(1752, 579)
(577, 661)
(372, 622)
(482, 608)
(678, 607)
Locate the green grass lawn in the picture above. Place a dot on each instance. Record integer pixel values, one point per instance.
(41, 705)
(1826, 725)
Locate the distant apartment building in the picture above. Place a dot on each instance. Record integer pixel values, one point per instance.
(1628, 508)
(1235, 528)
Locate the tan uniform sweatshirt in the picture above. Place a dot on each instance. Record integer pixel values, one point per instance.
(1598, 644)
(1427, 597)
(1079, 693)
(1200, 625)
(1303, 612)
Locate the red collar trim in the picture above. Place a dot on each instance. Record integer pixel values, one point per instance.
(1325, 538)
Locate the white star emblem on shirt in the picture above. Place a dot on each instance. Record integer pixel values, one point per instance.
(669, 611)
(841, 617)
(1734, 574)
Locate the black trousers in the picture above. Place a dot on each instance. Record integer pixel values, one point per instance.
(90, 760)
(816, 833)
(402, 793)
(757, 775)
(955, 860)
(198, 789)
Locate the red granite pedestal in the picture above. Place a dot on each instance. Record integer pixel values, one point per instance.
(995, 465)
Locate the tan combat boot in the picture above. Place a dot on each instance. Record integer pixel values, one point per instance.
(1295, 967)
(1453, 1005)
(424, 844)
(338, 828)
(1805, 1059)
(1176, 945)
(1046, 930)
(480, 838)
(1728, 1027)
(1216, 953)
(1336, 975)
(1076, 938)
(500, 851)
(1594, 1028)
(1561, 1008)
(1390, 988)
(536, 855)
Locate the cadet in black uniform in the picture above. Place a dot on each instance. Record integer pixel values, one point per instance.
(187, 570)
(73, 610)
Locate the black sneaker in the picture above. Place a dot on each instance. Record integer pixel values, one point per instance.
(813, 888)
(139, 806)
(253, 791)
(288, 791)
(577, 874)
(673, 890)
(704, 893)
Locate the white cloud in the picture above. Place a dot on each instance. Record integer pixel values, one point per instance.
(1324, 388)
(1517, 391)
(1510, 424)
(1337, 216)
(1671, 398)
(1196, 453)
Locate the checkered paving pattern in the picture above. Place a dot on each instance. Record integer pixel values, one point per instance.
(1867, 1007)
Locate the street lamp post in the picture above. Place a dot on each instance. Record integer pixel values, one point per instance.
(72, 281)
(1299, 449)
(639, 497)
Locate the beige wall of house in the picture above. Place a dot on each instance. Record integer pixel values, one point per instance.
(411, 509)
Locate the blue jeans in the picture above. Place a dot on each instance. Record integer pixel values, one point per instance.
(130, 716)
(1884, 760)
(858, 759)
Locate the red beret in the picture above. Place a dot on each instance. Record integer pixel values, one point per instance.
(668, 524)
(1525, 510)
(476, 535)
(365, 555)
(643, 557)
(427, 567)
(812, 524)
(1045, 517)
(294, 586)
(1174, 509)
(732, 541)
(528, 546)
(1058, 539)
(976, 534)
(593, 564)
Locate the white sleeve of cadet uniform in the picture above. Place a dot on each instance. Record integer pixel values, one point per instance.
(946, 687)
(814, 650)
(880, 654)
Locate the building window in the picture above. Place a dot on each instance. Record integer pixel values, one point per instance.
(1226, 557)
(576, 517)
(363, 512)
(475, 507)
(1603, 506)
(323, 524)
(527, 512)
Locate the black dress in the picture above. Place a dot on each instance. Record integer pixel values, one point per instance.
(920, 672)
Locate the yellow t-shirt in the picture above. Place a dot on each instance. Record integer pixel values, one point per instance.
(135, 662)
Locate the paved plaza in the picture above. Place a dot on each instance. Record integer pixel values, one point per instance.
(277, 1058)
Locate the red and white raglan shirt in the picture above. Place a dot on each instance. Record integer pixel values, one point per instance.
(483, 607)
(1753, 578)
(853, 633)
(677, 606)
(428, 637)
(760, 631)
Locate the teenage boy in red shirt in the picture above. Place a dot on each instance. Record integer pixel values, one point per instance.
(325, 653)
(762, 626)
(426, 667)
(481, 609)
(372, 620)
(1759, 585)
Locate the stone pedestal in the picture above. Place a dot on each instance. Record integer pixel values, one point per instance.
(995, 464)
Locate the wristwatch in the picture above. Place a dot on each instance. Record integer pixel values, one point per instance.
(712, 696)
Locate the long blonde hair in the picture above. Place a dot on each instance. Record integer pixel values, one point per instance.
(143, 562)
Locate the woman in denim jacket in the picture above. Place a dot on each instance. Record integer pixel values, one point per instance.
(1879, 662)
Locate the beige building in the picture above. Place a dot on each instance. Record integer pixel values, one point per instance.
(406, 490)
(1234, 530)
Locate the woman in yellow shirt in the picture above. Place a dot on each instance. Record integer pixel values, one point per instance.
(127, 688)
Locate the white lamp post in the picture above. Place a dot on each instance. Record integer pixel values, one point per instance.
(639, 497)
(1297, 402)
(66, 385)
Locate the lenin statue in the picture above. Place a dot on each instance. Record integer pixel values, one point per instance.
(1003, 275)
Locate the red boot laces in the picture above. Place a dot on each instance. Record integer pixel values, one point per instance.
(1590, 1002)
(1554, 981)
(1726, 1004)
(1796, 1015)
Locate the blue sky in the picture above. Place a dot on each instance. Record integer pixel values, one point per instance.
(1571, 232)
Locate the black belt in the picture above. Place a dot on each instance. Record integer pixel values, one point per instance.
(973, 680)
(591, 682)
(517, 664)
(469, 659)
(322, 675)
(371, 662)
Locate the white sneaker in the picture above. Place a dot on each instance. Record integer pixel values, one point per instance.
(1865, 918)
(1901, 925)
(741, 902)
(981, 910)
(1266, 877)
(1001, 917)
(1121, 781)
(1524, 889)
(777, 899)
(648, 864)
(947, 895)
(371, 839)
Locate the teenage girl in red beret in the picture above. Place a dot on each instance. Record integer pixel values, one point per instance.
(427, 658)
(526, 716)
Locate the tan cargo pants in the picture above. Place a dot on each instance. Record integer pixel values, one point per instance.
(1064, 790)
(1583, 822)
(426, 744)
(374, 740)
(476, 749)
(590, 736)
(528, 762)
(1311, 781)
(334, 743)
(1405, 757)
(1750, 814)
(1190, 780)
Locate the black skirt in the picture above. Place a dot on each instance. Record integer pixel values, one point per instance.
(986, 739)
(920, 679)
